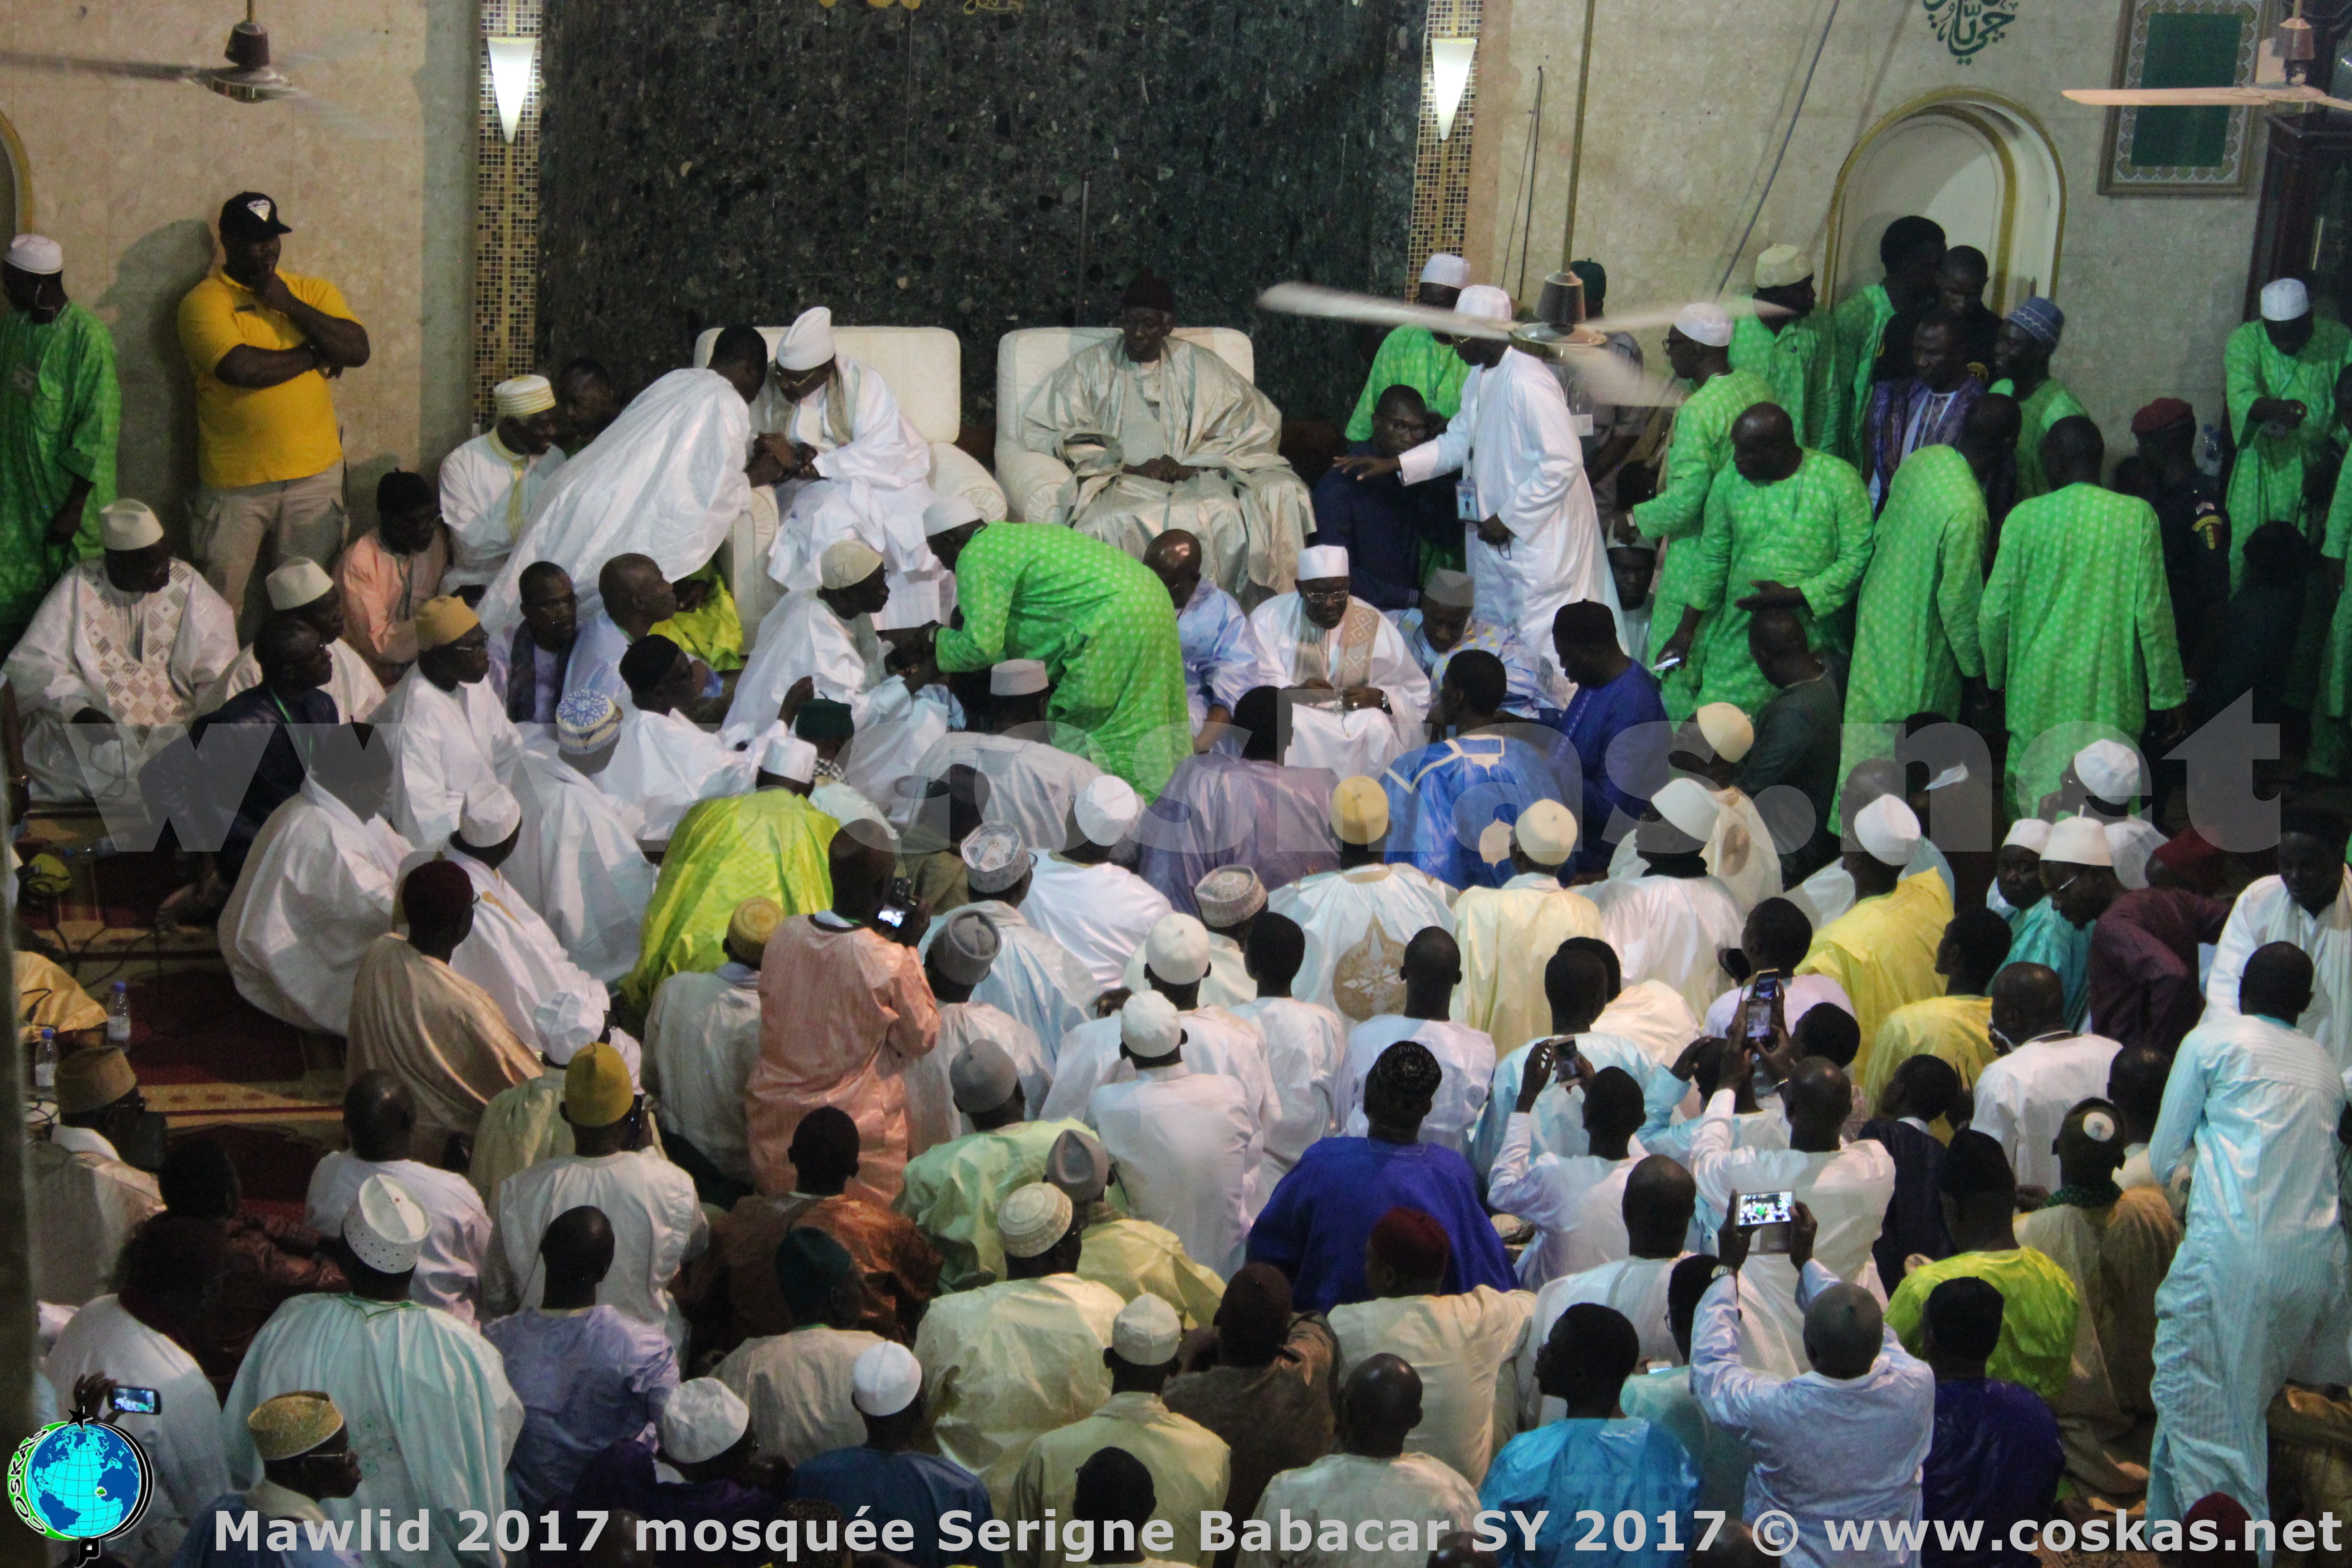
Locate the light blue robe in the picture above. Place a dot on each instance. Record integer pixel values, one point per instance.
(1626, 1466)
(1526, 692)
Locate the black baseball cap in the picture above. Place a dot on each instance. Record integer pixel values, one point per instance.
(250, 215)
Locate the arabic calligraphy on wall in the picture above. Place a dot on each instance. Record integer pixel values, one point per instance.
(1968, 28)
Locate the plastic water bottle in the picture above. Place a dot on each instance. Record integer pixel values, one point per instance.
(118, 1015)
(45, 1067)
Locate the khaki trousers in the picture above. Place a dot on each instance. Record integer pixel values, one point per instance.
(296, 517)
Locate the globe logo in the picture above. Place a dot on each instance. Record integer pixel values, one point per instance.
(80, 1480)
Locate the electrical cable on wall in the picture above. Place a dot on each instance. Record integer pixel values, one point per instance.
(1788, 134)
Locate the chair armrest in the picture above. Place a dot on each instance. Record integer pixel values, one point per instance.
(1031, 482)
(746, 563)
(956, 472)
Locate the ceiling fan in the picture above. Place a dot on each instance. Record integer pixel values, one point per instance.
(1562, 333)
(2282, 68)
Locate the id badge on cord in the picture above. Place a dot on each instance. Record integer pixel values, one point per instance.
(1466, 500)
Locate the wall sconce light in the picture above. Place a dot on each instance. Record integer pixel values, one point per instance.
(1449, 78)
(511, 59)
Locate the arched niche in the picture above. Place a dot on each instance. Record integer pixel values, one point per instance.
(1978, 164)
(15, 182)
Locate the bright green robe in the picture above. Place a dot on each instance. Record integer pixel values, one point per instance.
(1809, 531)
(60, 414)
(769, 844)
(1915, 621)
(1858, 326)
(713, 633)
(2076, 628)
(2049, 404)
(2266, 484)
(2331, 711)
(1698, 448)
(1410, 356)
(1800, 364)
(1103, 625)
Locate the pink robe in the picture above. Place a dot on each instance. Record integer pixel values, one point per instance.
(842, 1014)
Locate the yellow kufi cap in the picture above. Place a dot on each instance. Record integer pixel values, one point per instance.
(754, 922)
(292, 1425)
(442, 621)
(596, 1087)
(1359, 811)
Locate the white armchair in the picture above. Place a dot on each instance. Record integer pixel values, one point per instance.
(1025, 359)
(923, 367)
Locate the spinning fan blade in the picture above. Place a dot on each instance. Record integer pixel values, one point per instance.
(80, 64)
(2179, 97)
(1663, 315)
(1605, 377)
(1338, 305)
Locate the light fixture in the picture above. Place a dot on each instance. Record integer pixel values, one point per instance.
(511, 59)
(1449, 78)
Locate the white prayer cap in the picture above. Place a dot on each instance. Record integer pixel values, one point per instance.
(1033, 1218)
(1446, 268)
(522, 396)
(1322, 561)
(1449, 590)
(1106, 809)
(885, 1379)
(384, 1227)
(128, 525)
(1705, 323)
(808, 341)
(848, 562)
(36, 254)
(703, 1419)
(1781, 265)
(1545, 833)
(1149, 1027)
(2285, 299)
(2079, 841)
(790, 757)
(2131, 843)
(1177, 950)
(1229, 895)
(2028, 833)
(2109, 770)
(982, 1078)
(1687, 803)
(1727, 729)
(298, 582)
(966, 947)
(1485, 301)
(1146, 1332)
(567, 1022)
(1887, 830)
(1017, 677)
(994, 858)
(491, 812)
(949, 511)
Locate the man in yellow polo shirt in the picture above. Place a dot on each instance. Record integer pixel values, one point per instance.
(269, 458)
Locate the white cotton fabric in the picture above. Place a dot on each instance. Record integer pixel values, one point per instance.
(425, 1397)
(2266, 913)
(664, 763)
(666, 480)
(480, 506)
(2023, 1100)
(801, 637)
(1101, 913)
(1347, 1488)
(702, 1040)
(1305, 1055)
(1339, 910)
(1671, 929)
(183, 1439)
(1035, 980)
(578, 863)
(511, 954)
(317, 888)
(1465, 1055)
(353, 685)
(657, 1226)
(1576, 1200)
(1187, 1150)
(444, 745)
(1215, 1041)
(1030, 785)
(874, 488)
(1358, 744)
(1633, 1288)
(932, 1115)
(457, 1236)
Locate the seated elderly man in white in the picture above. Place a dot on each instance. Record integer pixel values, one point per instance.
(824, 636)
(300, 588)
(1360, 695)
(1159, 433)
(854, 468)
(114, 660)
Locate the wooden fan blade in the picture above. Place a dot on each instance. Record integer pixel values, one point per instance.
(2177, 97)
(1339, 305)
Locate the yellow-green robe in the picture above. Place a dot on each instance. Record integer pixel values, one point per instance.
(2037, 1320)
(1856, 328)
(60, 412)
(1698, 448)
(712, 632)
(1105, 628)
(769, 844)
(1915, 619)
(1809, 531)
(2044, 408)
(1953, 1029)
(2077, 629)
(1410, 356)
(1801, 364)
